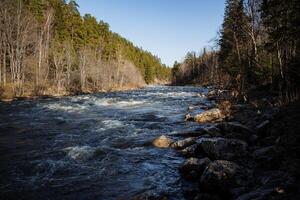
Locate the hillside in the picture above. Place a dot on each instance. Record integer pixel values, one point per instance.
(48, 48)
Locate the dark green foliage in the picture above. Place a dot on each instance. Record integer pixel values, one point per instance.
(233, 54)
(202, 69)
(282, 22)
(258, 45)
(86, 31)
(47, 46)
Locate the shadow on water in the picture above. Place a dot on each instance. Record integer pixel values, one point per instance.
(92, 146)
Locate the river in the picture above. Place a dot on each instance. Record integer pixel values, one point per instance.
(94, 146)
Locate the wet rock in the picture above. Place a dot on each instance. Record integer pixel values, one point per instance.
(80, 152)
(188, 117)
(209, 115)
(213, 131)
(193, 133)
(229, 127)
(221, 148)
(181, 144)
(194, 150)
(220, 175)
(237, 130)
(193, 168)
(212, 95)
(212, 92)
(191, 108)
(162, 142)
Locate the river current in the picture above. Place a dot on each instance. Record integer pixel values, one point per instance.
(93, 146)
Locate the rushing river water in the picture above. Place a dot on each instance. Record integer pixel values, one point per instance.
(93, 146)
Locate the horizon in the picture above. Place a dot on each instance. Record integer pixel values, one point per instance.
(162, 28)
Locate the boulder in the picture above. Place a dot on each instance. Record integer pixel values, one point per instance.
(220, 175)
(237, 130)
(229, 127)
(221, 148)
(162, 142)
(181, 144)
(209, 115)
(213, 131)
(193, 133)
(194, 150)
(193, 168)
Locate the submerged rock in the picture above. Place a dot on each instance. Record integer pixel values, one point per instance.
(80, 153)
(193, 168)
(209, 115)
(181, 144)
(221, 148)
(162, 142)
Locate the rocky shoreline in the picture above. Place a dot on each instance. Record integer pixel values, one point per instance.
(239, 150)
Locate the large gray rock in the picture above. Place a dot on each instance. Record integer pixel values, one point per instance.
(221, 148)
(181, 144)
(219, 175)
(209, 115)
(193, 168)
(162, 142)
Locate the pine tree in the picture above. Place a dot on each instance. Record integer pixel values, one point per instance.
(232, 54)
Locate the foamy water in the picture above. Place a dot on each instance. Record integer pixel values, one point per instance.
(94, 146)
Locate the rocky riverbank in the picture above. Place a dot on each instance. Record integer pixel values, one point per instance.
(52, 93)
(239, 150)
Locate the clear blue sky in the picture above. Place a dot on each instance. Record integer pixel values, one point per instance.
(167, 28)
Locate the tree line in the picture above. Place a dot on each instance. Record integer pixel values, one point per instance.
(46, 46)
(258, 45)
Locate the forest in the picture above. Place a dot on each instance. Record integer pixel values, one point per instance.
(258, 44)
(48, 48)
(87, 114)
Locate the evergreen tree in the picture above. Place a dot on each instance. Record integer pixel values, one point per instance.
(232, 53)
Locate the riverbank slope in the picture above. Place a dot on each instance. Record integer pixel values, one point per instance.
(241, 150)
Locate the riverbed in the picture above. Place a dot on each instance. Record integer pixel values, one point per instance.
(94, 146)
